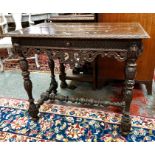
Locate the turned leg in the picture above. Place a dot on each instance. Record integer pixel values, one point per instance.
(53, 85)
(33, 111)
(95, 73)
(130, 71)
(62, 76)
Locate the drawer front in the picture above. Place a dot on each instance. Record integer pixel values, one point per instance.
(75, 43)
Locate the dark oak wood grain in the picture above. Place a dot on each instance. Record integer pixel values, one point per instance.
(83, 30)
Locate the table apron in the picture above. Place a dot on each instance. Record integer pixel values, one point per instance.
(75, 43)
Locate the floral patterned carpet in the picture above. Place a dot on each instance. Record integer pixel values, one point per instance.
(68, 123)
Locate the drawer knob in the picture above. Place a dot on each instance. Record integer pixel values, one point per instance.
(68, 44)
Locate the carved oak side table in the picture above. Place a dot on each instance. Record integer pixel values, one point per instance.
(76, 43)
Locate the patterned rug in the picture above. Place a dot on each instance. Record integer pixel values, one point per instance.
(68, 123)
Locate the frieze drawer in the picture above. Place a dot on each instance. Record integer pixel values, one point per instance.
(76, 43)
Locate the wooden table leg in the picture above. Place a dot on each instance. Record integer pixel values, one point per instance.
(62, 76)
(130, 71)
(95, 73)
(33, 111)
(53, 85)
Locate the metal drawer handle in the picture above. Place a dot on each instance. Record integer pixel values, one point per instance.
(68, 44)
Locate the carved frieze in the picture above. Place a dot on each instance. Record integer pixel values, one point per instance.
(79, 56)
(135, 50)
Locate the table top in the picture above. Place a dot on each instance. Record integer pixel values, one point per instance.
(83, 31)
